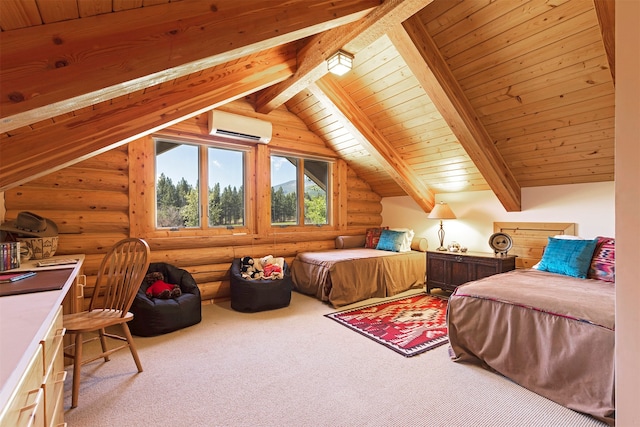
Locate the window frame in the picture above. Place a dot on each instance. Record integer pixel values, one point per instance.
(300, 172)
(257, 192)
(203, 177)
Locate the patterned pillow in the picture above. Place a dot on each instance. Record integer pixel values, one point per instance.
(603, 263)
(391, 240)
(568, 257)
(372, 237)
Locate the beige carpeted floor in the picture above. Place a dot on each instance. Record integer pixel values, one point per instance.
(294, 367)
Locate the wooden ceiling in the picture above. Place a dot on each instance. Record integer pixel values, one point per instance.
(444, 96)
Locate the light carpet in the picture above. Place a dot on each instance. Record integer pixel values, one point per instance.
(291, 367)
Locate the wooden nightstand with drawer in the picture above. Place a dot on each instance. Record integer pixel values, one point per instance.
(448, 270)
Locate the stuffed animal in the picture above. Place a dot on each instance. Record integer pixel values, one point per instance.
(163, 290)
(246, 264)
(249, 268)
(272, 267)
(158, 288)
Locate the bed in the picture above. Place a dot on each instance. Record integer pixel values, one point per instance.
(548, 331)
(354, 272)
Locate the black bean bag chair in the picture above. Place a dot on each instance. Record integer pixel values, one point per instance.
(155, 316)
(251, 295)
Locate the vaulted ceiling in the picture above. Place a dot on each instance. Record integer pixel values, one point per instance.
(445, 95)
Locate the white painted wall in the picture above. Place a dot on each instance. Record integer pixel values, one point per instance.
(627, 212)
(590, 206)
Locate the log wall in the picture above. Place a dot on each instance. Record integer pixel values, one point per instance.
(99, 201)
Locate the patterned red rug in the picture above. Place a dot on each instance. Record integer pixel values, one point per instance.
(409, 325)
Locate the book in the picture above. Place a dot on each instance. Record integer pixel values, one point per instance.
(14, 277)
(9, 255)
(59, 261)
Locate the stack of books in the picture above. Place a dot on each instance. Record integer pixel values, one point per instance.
(9, 255)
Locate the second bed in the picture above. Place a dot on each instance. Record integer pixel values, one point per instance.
(345, 276)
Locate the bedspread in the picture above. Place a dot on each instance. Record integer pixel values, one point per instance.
(344, 276)
(552, 334)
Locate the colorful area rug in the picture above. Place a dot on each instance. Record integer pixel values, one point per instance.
(409, 325)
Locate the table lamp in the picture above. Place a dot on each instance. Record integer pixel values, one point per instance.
(441, 211)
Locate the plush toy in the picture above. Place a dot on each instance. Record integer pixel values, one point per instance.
(163, 290)
(246, 264)
(158, 288)
(272, 267)
(249, 268)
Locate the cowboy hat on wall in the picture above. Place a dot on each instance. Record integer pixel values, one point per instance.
(37, 233)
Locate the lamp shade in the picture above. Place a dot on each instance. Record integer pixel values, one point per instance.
(441, 211)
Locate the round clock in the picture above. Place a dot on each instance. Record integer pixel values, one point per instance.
(500, 243)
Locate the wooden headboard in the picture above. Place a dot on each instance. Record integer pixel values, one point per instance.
(530, 238)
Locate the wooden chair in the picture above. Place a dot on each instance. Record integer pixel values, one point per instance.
(121, 273)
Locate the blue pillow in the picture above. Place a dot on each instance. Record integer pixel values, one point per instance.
(568, 257)
(391, 240)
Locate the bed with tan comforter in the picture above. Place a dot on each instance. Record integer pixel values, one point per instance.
(550, 333)
(345, 276)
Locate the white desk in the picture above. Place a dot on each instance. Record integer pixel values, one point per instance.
(24, 321)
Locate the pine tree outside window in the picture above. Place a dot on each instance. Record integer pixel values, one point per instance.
(299, 191)
(182, 203)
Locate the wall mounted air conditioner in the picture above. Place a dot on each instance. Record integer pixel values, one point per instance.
(243, 128)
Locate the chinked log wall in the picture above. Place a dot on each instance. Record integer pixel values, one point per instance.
(95, 204)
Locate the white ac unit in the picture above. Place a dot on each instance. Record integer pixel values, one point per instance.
(243, 128)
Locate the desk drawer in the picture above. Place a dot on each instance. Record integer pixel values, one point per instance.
(52, 386)
(52, 345)
(26, 406)
(32, 414)
(54, 398)
(52, 341)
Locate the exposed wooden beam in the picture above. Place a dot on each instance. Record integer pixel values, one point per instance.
(606, 11)
(335, 99)
(352, 38)
(49, 148)
(424, 59)
(52, 69)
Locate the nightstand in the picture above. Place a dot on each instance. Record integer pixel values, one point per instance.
(448, 270)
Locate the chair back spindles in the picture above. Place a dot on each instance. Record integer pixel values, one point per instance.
(121, 272)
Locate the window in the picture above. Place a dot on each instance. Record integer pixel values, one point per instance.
(316, 185)
(226, 187)
(177, 191)
(181, 202)
(299, 189)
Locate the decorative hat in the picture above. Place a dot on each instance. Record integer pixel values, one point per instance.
(30, 224)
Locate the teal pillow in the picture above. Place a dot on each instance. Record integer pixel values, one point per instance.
(391, 240)
(568, 257)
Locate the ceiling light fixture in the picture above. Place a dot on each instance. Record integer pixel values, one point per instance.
(340, 62)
